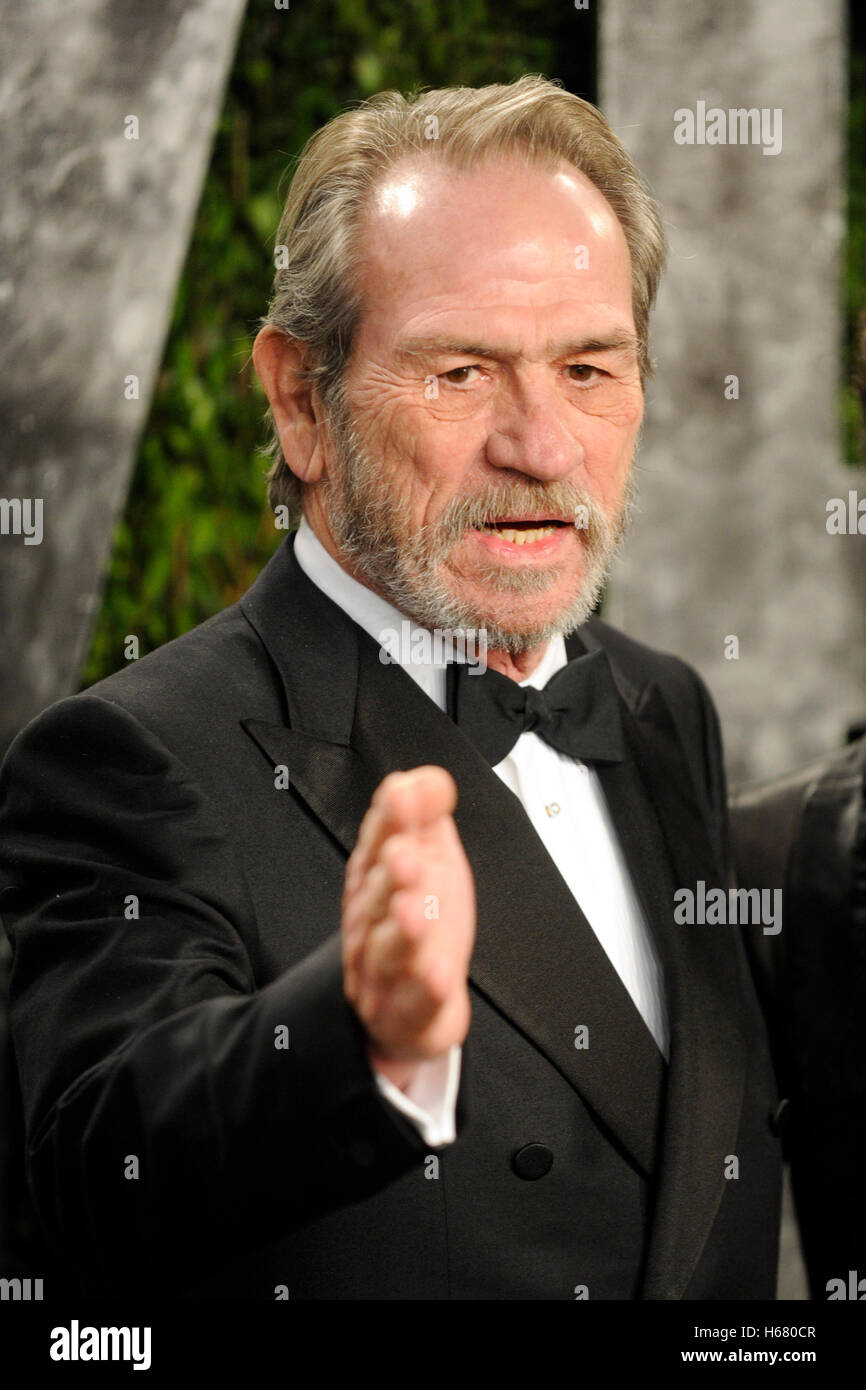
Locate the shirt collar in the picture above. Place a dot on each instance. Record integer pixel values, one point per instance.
(380, 618)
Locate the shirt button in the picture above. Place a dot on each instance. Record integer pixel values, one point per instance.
(552, 808)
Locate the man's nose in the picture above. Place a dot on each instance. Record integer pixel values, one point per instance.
(530, 432)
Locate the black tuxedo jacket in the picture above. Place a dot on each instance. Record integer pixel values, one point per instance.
(174, 907)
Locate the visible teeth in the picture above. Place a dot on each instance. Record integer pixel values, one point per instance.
(520, 537)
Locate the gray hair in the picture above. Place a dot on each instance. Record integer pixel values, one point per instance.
(315, 297)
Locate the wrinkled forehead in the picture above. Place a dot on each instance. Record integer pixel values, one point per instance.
(507, 231)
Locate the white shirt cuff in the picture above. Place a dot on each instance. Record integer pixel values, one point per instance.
(431, 1100)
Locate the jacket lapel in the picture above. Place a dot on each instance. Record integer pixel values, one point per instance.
(352, 719)
(665, 836)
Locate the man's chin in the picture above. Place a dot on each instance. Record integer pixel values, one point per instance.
(523, 599)
(520, 621)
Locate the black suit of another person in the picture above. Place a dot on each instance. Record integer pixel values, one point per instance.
(259, 1167)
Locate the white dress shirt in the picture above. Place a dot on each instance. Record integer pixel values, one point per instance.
(566, 806)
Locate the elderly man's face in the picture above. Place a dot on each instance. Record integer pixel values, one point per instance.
(493, 397)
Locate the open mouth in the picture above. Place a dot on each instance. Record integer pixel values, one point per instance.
(524, 532)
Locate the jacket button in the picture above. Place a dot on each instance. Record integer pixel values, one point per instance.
(532, 1161)
(779, 1118)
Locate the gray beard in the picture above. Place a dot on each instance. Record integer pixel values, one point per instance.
(403, 563)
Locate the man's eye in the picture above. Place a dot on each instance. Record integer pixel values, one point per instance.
(584, 371)
(458, 376)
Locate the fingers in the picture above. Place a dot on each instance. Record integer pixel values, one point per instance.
(398, 944)
(383, 922)
(403, 802)
(405, 965)
(367, 902)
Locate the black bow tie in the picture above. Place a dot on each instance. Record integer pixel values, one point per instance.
(577, 712)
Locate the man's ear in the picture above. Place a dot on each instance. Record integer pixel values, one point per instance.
(280, 362)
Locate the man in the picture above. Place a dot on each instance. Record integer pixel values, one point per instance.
(344, 972)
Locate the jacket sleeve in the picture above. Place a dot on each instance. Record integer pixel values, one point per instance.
(175, 1110)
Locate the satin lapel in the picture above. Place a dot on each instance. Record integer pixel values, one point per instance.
(669, 847)
(314, 650)
(536, 958)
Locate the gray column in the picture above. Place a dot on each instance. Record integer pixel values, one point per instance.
(93, 232)
(731, 538)
(94, 225)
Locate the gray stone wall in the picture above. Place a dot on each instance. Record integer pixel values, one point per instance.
(94, 228)
(731, 538)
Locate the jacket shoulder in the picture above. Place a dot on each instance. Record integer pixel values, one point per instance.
(218, 671)
(639, 670)
(639, 666)
(186, 700)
